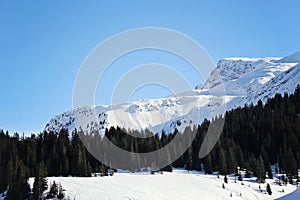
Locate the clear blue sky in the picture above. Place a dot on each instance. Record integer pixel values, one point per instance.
(43, 44)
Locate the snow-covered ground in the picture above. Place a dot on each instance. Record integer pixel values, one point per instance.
(180, 184)
(292, 196)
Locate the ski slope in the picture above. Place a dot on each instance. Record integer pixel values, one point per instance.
(292, 196)
(179, 184)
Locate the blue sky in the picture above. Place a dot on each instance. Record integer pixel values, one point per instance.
(42, 45)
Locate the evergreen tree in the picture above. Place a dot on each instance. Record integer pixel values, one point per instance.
(291, 164)
(222, 162)
(40, 181)
(231, 161)
(53, 191)
(268, 189)
(61, 194)
(104, 170)
(260, 170)
(208, 164)
(269, 170)
(240, 157)
(189, 159)
(19, 188)
(225, 179)
(248, 172)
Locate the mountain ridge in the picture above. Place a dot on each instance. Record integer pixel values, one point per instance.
(245, 80)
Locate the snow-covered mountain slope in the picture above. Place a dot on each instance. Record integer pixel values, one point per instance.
(293, 58)
(246, 80)
(179, 184)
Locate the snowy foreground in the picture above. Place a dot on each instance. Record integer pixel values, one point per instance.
(179, 184)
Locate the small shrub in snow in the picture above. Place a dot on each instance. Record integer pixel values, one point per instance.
(268, 189)
(225, 179)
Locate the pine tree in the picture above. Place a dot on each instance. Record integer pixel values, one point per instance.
(61, 194)
(134, 158)
(53, 191)
(208, 164)
(40, 181)
(225, 179)
(231, 161)
(19, 188)
(248, 172)
(291, 164)
(222, 162)
(103, 170)
(260, 170)
(240, 157)
(189, 157)
(268, 188)
(269, 170)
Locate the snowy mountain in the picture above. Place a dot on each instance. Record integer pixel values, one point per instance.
(245, 80)
(293, 58)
